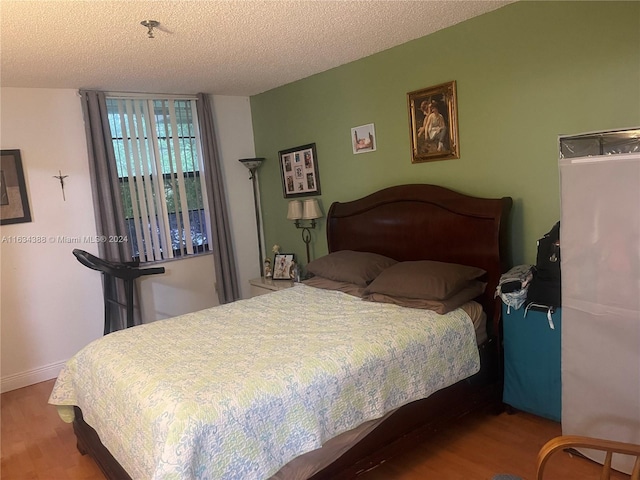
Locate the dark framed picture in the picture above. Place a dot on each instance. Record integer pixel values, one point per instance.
(284, 266)
(14, 204)
(433, 120)
(299, 170)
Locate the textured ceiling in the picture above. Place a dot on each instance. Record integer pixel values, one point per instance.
(219, 47)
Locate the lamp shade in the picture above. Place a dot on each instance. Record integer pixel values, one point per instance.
(252, 163)
(311, 209)
(295, 210)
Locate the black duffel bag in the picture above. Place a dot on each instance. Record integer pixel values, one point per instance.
(544, 289)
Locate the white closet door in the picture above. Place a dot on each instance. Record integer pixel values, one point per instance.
(600, 251)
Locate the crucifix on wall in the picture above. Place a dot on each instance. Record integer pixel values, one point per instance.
(61, 178)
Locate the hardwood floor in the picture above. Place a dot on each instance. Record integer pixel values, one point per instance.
(37, 445)
(480, 446)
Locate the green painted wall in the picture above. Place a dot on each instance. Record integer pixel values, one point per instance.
(525, 74)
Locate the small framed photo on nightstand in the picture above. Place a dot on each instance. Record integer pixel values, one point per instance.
(284, 266)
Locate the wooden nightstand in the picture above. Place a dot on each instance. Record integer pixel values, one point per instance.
(262, 285)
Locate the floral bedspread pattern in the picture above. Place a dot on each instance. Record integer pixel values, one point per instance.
(237, 391)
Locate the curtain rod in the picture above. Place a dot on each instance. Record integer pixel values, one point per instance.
(154, 96)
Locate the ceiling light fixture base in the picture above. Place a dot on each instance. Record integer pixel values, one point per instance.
(150, 24)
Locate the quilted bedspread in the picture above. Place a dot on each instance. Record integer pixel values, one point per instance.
(239, 390)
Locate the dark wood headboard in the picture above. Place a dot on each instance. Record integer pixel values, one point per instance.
(427, 222)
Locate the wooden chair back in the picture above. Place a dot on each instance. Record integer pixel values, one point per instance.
(574, 441)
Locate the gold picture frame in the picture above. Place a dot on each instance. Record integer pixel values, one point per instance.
(433, 121)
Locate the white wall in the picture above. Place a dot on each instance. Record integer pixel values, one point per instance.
(235, 135)
(50, 305)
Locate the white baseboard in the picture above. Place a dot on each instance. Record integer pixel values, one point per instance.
(24, 379)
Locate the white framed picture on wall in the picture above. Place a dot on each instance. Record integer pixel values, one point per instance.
(363, 138)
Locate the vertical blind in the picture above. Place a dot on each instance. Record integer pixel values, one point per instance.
(159, 160)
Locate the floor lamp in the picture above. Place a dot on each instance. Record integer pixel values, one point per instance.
(253, 164)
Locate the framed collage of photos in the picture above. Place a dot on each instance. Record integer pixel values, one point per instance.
(299, 169)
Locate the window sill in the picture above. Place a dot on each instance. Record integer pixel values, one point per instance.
(176, 259)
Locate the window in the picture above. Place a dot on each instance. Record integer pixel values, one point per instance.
(158, 157)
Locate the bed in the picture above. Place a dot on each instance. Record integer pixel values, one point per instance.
(334, 434)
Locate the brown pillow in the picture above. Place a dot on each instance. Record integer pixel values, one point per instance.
(328, 284)
(424, 279)
(349, 266)
(473, 290)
